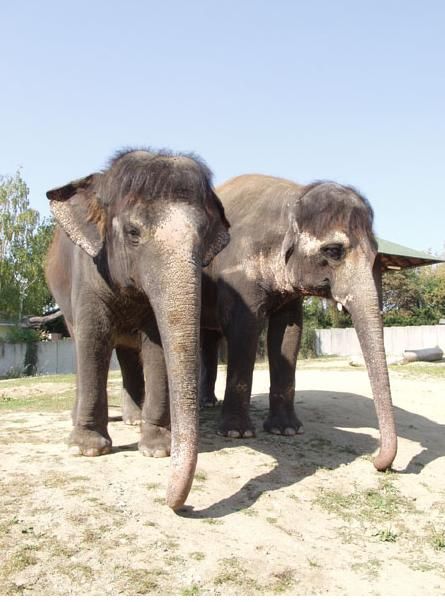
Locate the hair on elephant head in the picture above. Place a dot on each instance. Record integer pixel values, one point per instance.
(134, 194)
(326, 223)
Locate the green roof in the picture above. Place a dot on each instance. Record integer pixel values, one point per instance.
(399, 256)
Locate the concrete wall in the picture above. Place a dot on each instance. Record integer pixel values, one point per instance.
(59, 357)
(344, 341)
(53, 358)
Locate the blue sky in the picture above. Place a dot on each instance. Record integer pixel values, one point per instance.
(342, 89)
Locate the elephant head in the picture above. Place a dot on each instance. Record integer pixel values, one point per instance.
(329, 249)
(153, 220)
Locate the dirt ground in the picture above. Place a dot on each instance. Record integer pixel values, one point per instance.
(307, 515)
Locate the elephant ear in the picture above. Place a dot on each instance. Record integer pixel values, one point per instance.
(77, 210)
(290, 238)
(217, 236)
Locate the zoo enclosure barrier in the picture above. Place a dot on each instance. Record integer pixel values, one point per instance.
(344, 341)
(59, 357)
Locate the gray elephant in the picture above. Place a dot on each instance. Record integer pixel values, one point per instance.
(288, 241)
(125, 267)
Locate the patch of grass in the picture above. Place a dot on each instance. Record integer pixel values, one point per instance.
(271, 520)
(249, 511)
(50, 402)
(424, 566)
(284, 580)
(174, 559)
(19, 560)
(7, 525)
(24, 393)
(370, 568)
(233, 573)
(140, 582)
(200, 475)
(387, 535)
(419, 369)
(151, 486)
(384, 502)
(91, 536)
(59, 479)
(192, 590)
(76, 570)
(197, 556)
(437, 539)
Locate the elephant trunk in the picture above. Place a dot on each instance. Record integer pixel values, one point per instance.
(363, 305)
(176, 301)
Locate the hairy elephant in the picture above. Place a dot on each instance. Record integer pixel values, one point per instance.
(125, 267)
(288, 241)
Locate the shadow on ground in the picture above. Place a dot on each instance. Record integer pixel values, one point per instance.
(327, 443)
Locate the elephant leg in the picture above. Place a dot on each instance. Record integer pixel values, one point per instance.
(209, 367)
(242, 339)
(89, 436)
(133, 385)
(155, 428)
(283, 344)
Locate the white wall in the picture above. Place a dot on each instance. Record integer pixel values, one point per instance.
(54, 357)
(58, 357)
(344, 341)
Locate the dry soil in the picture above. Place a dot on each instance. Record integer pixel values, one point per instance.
(303, 515)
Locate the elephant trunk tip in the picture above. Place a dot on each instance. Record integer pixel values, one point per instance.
(179, 486)
(174, 501)
(176, 497)
(383, 461)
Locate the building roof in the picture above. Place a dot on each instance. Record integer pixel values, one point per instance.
(394, 256)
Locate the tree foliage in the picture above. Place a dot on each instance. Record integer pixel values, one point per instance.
(414, 296)
(24, 240)
(411, 297)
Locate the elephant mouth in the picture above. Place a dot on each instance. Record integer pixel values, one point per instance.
(323, 289)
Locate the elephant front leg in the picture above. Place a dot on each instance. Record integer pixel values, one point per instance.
(209, 368)
(283, 344)
(89, 436)
(155, 438)
(133, 386)
(242, 340)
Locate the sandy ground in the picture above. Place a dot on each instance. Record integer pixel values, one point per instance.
(307, 515)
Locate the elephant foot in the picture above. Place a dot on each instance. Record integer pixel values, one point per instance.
(131, 414)
(236, 427)
(155, 441)
(283, 421)
(86, 442)
(208, 401)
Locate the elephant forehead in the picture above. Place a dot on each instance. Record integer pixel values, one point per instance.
(175, 226)
(310, 244)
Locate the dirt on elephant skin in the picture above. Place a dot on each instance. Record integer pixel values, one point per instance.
(305, 515)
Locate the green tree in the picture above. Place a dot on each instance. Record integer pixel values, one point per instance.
(414, 296)
(24, 240)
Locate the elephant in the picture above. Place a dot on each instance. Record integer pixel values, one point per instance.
(289, 241)
(125, 267)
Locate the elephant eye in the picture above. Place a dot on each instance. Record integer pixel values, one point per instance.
(133, 233)
(335, 251)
